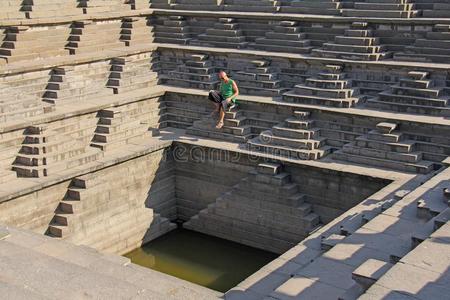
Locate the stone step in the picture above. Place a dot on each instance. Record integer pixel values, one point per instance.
(414, 100)
(277, 179)
(314, 100)
(350, 55)
(269, 209)
(308, 144)
(359, 13)
(269, 168)
(218, 135)
(380, 135)
(422, 167)
(295, 123)
(308, 90)
(409, 108)
(295, 200)
(266, 218)
(293, 153)
(403, 147)
(284, 131)
(410, 157)
(274, 47)
(413, 91)
(370, 272)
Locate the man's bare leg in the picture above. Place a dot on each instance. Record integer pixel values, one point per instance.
(221, 118)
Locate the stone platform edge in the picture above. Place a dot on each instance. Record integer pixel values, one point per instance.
(85, 169)
(297, 17)
(81, 17)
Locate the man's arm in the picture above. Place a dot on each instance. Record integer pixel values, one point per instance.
(236, 91)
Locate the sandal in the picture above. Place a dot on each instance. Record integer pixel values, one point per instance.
(219, 125)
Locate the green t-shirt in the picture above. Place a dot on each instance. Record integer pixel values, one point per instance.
(226, 89)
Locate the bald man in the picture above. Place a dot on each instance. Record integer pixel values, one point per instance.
(225, 98)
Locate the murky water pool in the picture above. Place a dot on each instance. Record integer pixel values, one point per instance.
(205, 260)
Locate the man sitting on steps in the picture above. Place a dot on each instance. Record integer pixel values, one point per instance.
(225, 98)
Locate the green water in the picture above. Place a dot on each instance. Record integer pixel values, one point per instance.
(208, 261)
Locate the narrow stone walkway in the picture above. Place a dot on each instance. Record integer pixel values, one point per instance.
(39, 267)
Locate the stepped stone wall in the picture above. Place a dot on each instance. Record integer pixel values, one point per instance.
(161, 187)
(215, 172)
(136, 197)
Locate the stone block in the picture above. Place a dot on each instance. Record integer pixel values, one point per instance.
(386, 128)
(269, 168)
(370, 271)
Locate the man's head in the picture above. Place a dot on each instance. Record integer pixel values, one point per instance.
(223, 75)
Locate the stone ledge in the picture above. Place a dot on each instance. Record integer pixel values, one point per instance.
(74, 109)
(37, 65)
(69, 60)
(227, 51)
(81, 17)
(298, 17)
(446, 161)
(30, 185)
(383, 115)
(180, 136)
(167, 138)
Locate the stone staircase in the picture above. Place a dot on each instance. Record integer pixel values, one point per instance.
(9, 147)
(22, 43)
(103, 6)
(382, 9)
(12, 10)
(76, 217)
(85, 38)
(358, 43)
(338, 133)
(17, 105)
(77, 83)
(21, 96)
(312, 7)
(197, 71)
(252, 5)
(136, 31)
(181, 111)
(225, 34)
(139, 4)
(435, 9)
(35, 9)
(386, 147)
(434, 47)
(414, 94)
(120, 125)
(265, 210)
(132, 73)
(259, 78)
(287, 36)
(235, 128)
(53, 148)
(331, 87)
(161, 4)
(295, 138)
(196, 5)
(173, 30)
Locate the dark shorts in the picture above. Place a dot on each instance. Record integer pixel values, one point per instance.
(216, 97)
